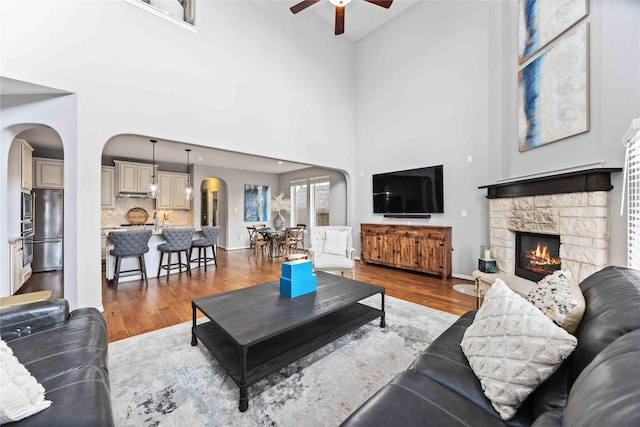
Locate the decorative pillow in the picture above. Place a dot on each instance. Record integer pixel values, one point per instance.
(22, 395)
(559, 297)
(512, 348)
(335, 242)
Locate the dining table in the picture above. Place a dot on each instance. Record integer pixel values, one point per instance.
(274, 237)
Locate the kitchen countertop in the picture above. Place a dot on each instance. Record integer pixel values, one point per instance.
(155, 231)
(13, 240)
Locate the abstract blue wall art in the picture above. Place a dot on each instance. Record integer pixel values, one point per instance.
(256, 202)
(541, 21)
(553, 92)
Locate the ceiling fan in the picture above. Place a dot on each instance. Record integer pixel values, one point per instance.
(340, 4)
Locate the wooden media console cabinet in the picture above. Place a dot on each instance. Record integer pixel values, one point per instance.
(412, 247)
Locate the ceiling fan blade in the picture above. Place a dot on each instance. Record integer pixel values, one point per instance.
(303, 5)
(382, 3)
(339, 20)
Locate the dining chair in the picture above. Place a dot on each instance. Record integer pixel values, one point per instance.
(290, 240)
(301, 236)
(252, 236)
(261, 243)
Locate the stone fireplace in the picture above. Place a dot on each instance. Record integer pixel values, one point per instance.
(572, 207)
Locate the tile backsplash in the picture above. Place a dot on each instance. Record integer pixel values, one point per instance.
(117, 216)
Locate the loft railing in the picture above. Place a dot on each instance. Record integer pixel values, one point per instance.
(178, 11)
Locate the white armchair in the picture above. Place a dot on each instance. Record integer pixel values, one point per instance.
(332, 249)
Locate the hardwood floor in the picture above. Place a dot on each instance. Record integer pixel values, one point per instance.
(135, 308)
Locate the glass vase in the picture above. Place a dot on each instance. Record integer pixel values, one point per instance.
(278, 221)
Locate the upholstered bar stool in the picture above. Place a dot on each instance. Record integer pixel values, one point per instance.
(178, 241)
(210, 239)
(130, 244)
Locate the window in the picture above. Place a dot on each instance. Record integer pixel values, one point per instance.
(310, 201)
(179, 12)
(319, 202)
(632, 175)
(299, 209)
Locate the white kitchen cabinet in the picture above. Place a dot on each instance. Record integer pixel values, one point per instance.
(132, 177)
(179, 184)
(49, 173)
(171, 191)
(15, 262)
(145, 174)
(107, 188)
(26, 168)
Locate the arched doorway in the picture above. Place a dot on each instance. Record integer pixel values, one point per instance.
(213, 202)
(35, 177)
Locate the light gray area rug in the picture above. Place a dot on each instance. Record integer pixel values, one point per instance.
(159, 379)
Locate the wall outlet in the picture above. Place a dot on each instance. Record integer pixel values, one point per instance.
(469, 159)
(239, 237)
(463, 213)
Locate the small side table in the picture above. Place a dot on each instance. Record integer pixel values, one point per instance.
(295, 257)
(478, 290)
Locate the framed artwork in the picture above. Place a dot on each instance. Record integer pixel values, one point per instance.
(542, 21)
(256, 202)
(553, 92)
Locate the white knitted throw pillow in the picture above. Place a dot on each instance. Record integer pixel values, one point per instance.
(335, 242)
(21, 394)
(513, 347)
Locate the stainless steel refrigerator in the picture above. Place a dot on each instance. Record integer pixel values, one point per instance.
(48, 221)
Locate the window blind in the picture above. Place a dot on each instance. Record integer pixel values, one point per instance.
(631, 181)
(633, 205)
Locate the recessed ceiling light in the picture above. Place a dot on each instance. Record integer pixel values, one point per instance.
(200, 158)
(280, 162)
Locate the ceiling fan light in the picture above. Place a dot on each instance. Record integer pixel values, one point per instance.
(340, 2)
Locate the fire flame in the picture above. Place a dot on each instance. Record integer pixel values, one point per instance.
(541, 256)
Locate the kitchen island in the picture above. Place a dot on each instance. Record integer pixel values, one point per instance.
(151, 258)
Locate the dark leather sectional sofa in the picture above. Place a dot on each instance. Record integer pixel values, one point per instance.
(598, 385)
(67, 353)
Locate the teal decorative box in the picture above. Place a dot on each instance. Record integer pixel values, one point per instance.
(487, 265)
(296, 269)
(297, 278)
(300, 286)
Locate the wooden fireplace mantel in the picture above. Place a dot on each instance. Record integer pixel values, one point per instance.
(572, 182)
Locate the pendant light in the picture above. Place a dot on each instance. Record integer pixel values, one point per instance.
(152, 192)
(188, 190)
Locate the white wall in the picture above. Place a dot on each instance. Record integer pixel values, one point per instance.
(439, 83)
(254, 79)
(614, 101)
(422, 99)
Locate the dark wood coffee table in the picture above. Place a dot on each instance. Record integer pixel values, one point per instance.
(255, 331)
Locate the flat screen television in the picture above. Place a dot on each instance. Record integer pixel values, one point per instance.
(413, 191)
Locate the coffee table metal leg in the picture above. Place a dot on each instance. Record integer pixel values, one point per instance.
(383, 323)
(194, 340)
(244, 388)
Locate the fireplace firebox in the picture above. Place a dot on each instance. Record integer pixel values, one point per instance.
(537, 255)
